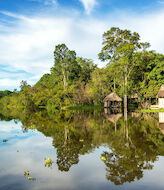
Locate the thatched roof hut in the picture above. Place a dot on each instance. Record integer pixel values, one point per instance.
(113, 97)
(112, 100)
(161, 92)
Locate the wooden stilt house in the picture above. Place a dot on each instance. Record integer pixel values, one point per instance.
(112, 100)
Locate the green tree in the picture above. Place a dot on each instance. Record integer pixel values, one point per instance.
(120, 46)
(65, 66)
(87, 67)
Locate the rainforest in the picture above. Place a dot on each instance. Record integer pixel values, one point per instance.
(132, 69)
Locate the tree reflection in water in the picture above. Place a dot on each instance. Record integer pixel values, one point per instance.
(134, 144)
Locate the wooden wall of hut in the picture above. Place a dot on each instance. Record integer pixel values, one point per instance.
(161, 102)
(161, 117)
(107, 104)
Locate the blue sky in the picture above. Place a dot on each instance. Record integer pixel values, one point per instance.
(30, 29)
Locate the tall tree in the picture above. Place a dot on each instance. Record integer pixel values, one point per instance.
(66, 66)
(87, 67)
(120, 46)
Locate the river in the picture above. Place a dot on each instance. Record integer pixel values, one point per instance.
(87, 150)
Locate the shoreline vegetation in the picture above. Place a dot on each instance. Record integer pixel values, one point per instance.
(83, 107)
(133, 71)
(100, 107)
(150, 110)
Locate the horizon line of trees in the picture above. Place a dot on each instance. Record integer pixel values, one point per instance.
(131, 69)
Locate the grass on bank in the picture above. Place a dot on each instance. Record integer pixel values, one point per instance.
(151, 110)
(85, 107)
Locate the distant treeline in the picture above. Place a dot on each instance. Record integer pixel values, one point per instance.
(5, 93)
(132, 70)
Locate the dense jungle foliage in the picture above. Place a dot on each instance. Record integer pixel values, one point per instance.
(132, 69)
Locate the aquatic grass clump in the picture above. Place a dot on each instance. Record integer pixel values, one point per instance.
(31, 178)
(103, 158)
(27, 173)
(48, 162)
(4, 140)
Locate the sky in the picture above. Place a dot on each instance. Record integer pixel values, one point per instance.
(30, 30)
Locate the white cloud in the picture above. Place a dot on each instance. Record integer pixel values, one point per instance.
(28, 44)
(88, 5)
(8, 83)
(149, 26)
(46, 2)
(161, 2)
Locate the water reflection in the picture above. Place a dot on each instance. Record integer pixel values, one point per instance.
(161, 121)
(131, 146)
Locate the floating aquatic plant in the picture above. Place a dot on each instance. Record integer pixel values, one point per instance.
(31, 178)
(5, 140)
(103, 158)
(26, 173)
(48, 162)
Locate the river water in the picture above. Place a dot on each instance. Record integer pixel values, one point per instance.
(89, 150)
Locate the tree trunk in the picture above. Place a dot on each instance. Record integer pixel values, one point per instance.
(125, 95)
(64, 79)
(66, 131)
(114, 85)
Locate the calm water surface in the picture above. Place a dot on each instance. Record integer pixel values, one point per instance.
(90, 150)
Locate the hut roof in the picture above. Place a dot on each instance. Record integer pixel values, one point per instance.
(113, 97)
(161, 92)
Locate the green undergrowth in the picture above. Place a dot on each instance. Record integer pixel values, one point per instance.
(85, 107)
(150, 111)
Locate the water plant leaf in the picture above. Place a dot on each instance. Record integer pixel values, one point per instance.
(5, 140)
(103, 158)
(48, 162)
(31, 178)
(26, 173)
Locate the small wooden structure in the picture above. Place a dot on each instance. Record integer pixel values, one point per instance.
(112, 100)
(161, 97)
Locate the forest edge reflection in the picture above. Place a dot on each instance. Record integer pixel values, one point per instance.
(134, 144)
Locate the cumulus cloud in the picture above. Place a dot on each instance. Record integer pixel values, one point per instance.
(149, 26)
(88, 5)
(28, 44)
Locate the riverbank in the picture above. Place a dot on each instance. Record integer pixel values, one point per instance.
(150, 110)
(85, 107)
